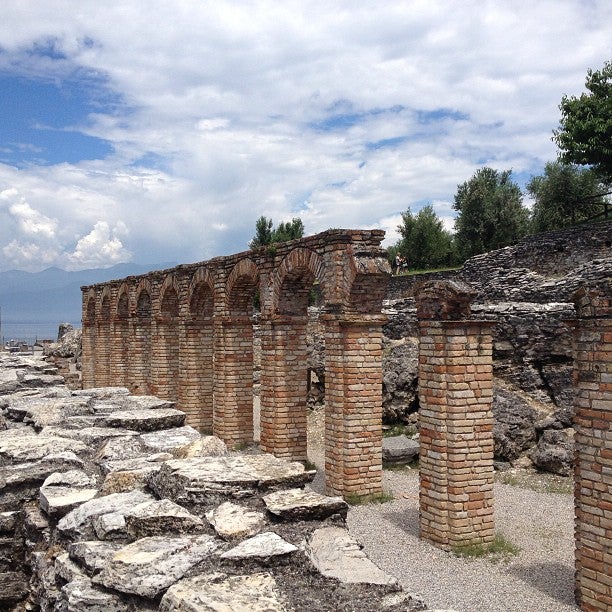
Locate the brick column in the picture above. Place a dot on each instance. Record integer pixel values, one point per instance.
(118, 362)
(284, 387)
(593, 448)
(88, 359)
(165, 358)
(102, 352)
(353, 404)
(196, 373)
(140, 358)
(233, 384)
(455, 419)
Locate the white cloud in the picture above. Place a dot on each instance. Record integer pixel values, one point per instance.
(224, 99)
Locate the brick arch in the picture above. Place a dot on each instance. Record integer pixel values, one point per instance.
(122, 310)
(366, 279)
(240, 288)
(293, 280)
(90, 308)
(201, 294)
(143, 305)
(105, 304)
(169, 297)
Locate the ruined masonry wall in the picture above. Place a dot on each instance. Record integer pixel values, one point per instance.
(186, 335)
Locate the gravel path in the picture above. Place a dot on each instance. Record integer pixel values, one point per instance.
(539, 579)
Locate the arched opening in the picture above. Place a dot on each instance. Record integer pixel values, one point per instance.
(196, 373)
(165, 365)
(233, 392)
(285, 372)
(140, 364)
(121, 335)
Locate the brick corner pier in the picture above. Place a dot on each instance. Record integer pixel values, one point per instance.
(186, 334)
(455, 418)
(593, 446)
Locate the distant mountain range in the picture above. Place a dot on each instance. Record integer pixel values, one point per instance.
(54, 295)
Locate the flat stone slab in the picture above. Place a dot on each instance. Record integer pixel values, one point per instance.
(80, 594)
(231, 521)
(149, 566)
(168, 440)
(262, 546)
(42, 411)
(129, 474)
(299, 504)
(124, 447)
(63, 491)
(101, 393)
(161, 517)
(197, 479)
(400, 449)
(336, 554)
(66, 568)
(35, 472)
(146, 419)
(21, 448)
(255, 593)
(78, 522)
(92, 555)
(118, 403)
(206, 446)
(110, 526)
(88, 435)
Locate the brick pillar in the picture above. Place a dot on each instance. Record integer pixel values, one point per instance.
(140, 357)
(102, 352)
(88, 359)
(455, 419)
(196, 373)
(119, 353)
(165, 358)
(593, 448)
(353, 404)
(233, 380)
(284, 387)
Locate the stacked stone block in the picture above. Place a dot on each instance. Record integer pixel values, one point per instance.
(593, 448)
(455, 419)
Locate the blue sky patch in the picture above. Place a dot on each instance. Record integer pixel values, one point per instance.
(41, 121)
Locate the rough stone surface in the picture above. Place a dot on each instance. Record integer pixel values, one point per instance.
(199, 478)
(78, 522)
(400, 449)
(337, 555)
(255, 593)
(262, 546)
(232, 521)
(146, 419)
(299, 504)
(93, 555)
(554, 451)
(170, 440)
(161, 517)
(206, 446)
(149, 566)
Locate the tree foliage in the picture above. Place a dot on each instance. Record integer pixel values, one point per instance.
(584, 135)
(425, 243)
(564, 195)
(265, 233)
(491, 214)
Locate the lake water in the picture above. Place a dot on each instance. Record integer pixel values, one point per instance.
(30, 332)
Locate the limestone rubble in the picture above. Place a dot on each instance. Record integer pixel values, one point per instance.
(108, 502)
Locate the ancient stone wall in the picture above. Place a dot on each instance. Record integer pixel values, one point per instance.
(186, 335)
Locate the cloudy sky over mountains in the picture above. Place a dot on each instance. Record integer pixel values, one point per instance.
(157, 131)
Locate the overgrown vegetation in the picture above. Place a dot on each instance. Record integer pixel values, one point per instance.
(499, 549)
(536, 481)
(267, 235)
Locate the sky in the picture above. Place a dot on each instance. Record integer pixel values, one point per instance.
(154, 131)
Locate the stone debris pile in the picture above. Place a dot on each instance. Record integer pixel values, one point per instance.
(109, 501)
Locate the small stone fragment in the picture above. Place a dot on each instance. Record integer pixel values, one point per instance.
(261, 546)
(299, 504)
(161, 517)
(231, 521)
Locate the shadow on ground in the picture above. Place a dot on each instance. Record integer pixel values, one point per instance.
(554, 579)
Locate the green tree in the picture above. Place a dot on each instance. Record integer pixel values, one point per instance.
(584, 135)
(265, 234)
(564, 195)
(425, 243)
(491, 213)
